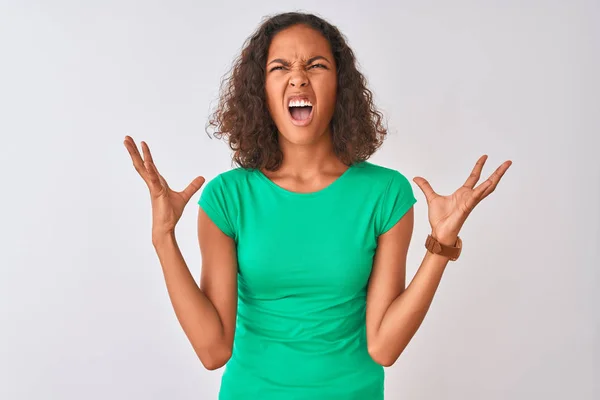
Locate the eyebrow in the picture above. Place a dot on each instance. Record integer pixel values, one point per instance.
(287, 63)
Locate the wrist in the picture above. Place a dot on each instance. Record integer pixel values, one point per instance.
(447, 239)
(162, 237)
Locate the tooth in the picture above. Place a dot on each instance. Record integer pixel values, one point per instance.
(300, 103)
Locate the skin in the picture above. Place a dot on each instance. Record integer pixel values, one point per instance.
(300, 61)
(394, 312)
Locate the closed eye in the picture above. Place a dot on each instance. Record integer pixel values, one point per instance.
(318, 66)
(279, 67)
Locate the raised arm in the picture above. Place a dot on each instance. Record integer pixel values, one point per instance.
(206, 313)
(219, 280)
(394, 314)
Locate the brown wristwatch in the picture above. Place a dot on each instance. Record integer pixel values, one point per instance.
(435, 247)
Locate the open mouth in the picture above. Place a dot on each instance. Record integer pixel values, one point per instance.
(300, 111)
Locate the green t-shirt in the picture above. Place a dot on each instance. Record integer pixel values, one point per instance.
(304, 263)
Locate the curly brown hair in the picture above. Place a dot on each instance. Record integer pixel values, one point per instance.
(242, 114)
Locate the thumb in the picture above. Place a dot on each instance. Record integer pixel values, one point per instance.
(192, 188)
(425, 187)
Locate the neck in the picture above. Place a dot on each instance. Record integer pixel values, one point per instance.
(309, 159)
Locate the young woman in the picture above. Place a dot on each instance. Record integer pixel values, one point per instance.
(304, 244)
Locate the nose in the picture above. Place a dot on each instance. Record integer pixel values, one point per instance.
(298, 80)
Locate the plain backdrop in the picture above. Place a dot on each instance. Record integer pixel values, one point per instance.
(84, 311)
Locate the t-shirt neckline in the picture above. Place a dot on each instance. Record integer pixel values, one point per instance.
(326, 189)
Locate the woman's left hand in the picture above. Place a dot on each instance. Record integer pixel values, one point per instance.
(447, 214)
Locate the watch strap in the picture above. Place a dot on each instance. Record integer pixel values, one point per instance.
(435, 247)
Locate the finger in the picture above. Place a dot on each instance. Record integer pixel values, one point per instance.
(138, 163)
(150, 166)
(153, 175)
(495, 178)
(132, 147)
(478, 194)
(426, 188)
(147, 154)
(192, 188)
(476, 173)
(163, 181)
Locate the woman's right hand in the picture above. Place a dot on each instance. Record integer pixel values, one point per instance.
(167, 205)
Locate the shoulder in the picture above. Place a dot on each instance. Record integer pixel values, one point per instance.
(221, 198)
(380, 176)
(393, 192)
(234, 175)
(230, 180)
(225, 185)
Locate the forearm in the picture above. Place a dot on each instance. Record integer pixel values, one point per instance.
(406, 313)
(195, 312)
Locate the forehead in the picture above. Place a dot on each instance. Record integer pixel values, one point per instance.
(299, 41)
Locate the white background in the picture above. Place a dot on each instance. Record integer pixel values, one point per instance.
(84, 311)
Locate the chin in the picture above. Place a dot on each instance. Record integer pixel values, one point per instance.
(302, 136)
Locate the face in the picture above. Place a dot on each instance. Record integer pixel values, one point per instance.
(301, 84)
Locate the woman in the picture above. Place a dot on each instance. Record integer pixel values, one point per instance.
(303, 245)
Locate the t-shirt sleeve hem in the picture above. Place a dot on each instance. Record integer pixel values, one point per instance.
(398, 214)
(216, 218)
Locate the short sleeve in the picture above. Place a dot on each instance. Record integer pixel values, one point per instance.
(216, 203)
(398, 198)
